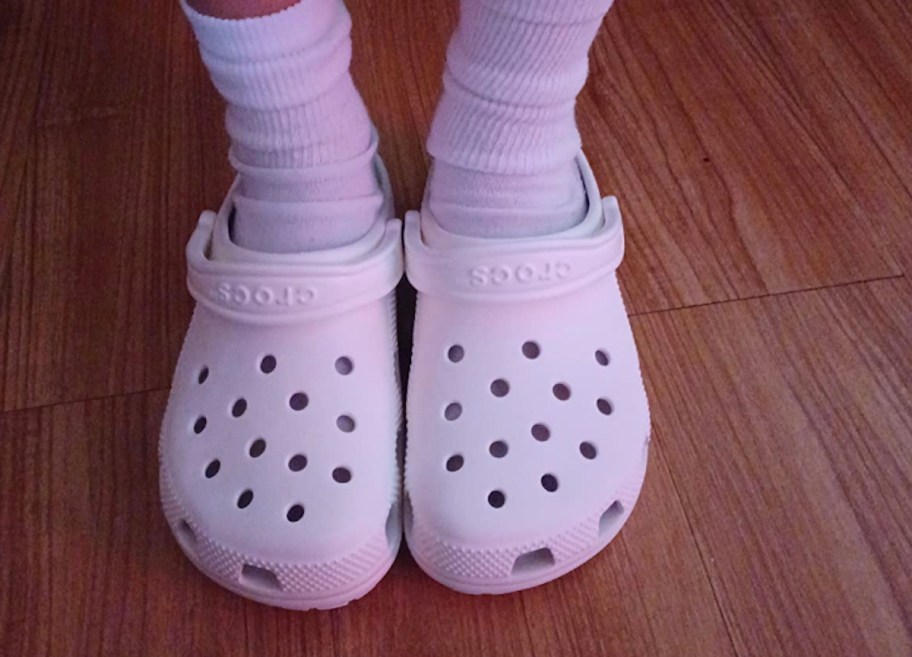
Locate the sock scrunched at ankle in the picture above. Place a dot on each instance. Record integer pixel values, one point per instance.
(504, 138)
(301, 137)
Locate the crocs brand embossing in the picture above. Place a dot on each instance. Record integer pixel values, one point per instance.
(262, 295)
(281, 347)
(526, 273)
(527, 416)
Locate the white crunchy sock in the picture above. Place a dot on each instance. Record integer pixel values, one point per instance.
(301, 137)
(504, 137)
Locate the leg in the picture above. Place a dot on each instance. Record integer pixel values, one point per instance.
(504, 137)
(301, 138)
(238, 9)
(278, 448)
(527, 415)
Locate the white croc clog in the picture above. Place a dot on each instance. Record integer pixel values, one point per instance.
(279, 470)
(527, 417)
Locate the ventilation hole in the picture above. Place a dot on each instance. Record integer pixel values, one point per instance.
(297, 463)
(588, 450)
(601, 357)
(454, 463)
(500, 388)
(200, 424)
(213, 468)
(541, 433)
(455, 353)
(260, 578)
(561, 391)
(604, 406)
(239, 407)
(268, 364)
(244, 499)
(393, 526)
(531, 350)
(203, 375)
(497, 499)
(498, 449)
(186, 535)
(295, 513)
(342, 475)
(531, 562)
(257, 447)
(346, 423)
(611, 516)
(549, 483)
(453, 411)
(298, 401)
(344, 365)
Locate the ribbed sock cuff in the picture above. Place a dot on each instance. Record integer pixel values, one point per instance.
(276, 61)
(514, 70)
(476, 133)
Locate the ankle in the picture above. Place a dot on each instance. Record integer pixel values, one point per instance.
(301, 138)
(239, 9)
(479, 204)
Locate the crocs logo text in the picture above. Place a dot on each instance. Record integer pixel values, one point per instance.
(262, 295)
(484, 275)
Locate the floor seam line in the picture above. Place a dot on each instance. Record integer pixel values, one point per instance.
(85, 400)
(770, 295)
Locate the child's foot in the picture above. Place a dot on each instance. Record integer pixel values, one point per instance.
(301, 137)
(279, 475)
(528, 420)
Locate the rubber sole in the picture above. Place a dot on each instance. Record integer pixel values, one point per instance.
(332, 600)
(513, 584)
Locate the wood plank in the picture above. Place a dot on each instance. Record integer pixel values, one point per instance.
(665, 94)
(91, 569)
(22, 42)
(846, 66)
(759, 147)
(398, 59)
(96, 303)
(728, 192)
(104, 59)
(90, 305)
(880, 175)
(786, 423)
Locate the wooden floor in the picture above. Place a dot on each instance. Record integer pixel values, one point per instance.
(762, 152)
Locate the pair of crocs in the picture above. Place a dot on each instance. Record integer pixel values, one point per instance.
(527, 418)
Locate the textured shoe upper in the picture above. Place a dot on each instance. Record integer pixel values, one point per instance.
(279, 442)
(527, 414)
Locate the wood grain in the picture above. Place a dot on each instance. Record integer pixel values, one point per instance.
(762, 153)
(21, 46)
(90, 568)
(730, 189)
(94, 305)
(787, 422)
(753, 152)
(104, 59)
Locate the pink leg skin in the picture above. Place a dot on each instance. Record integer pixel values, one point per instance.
(239, 8)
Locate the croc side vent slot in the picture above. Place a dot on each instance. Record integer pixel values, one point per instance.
(611, 516)
(186, 535)
(393, 525)
(261, 578)
(534, 561)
